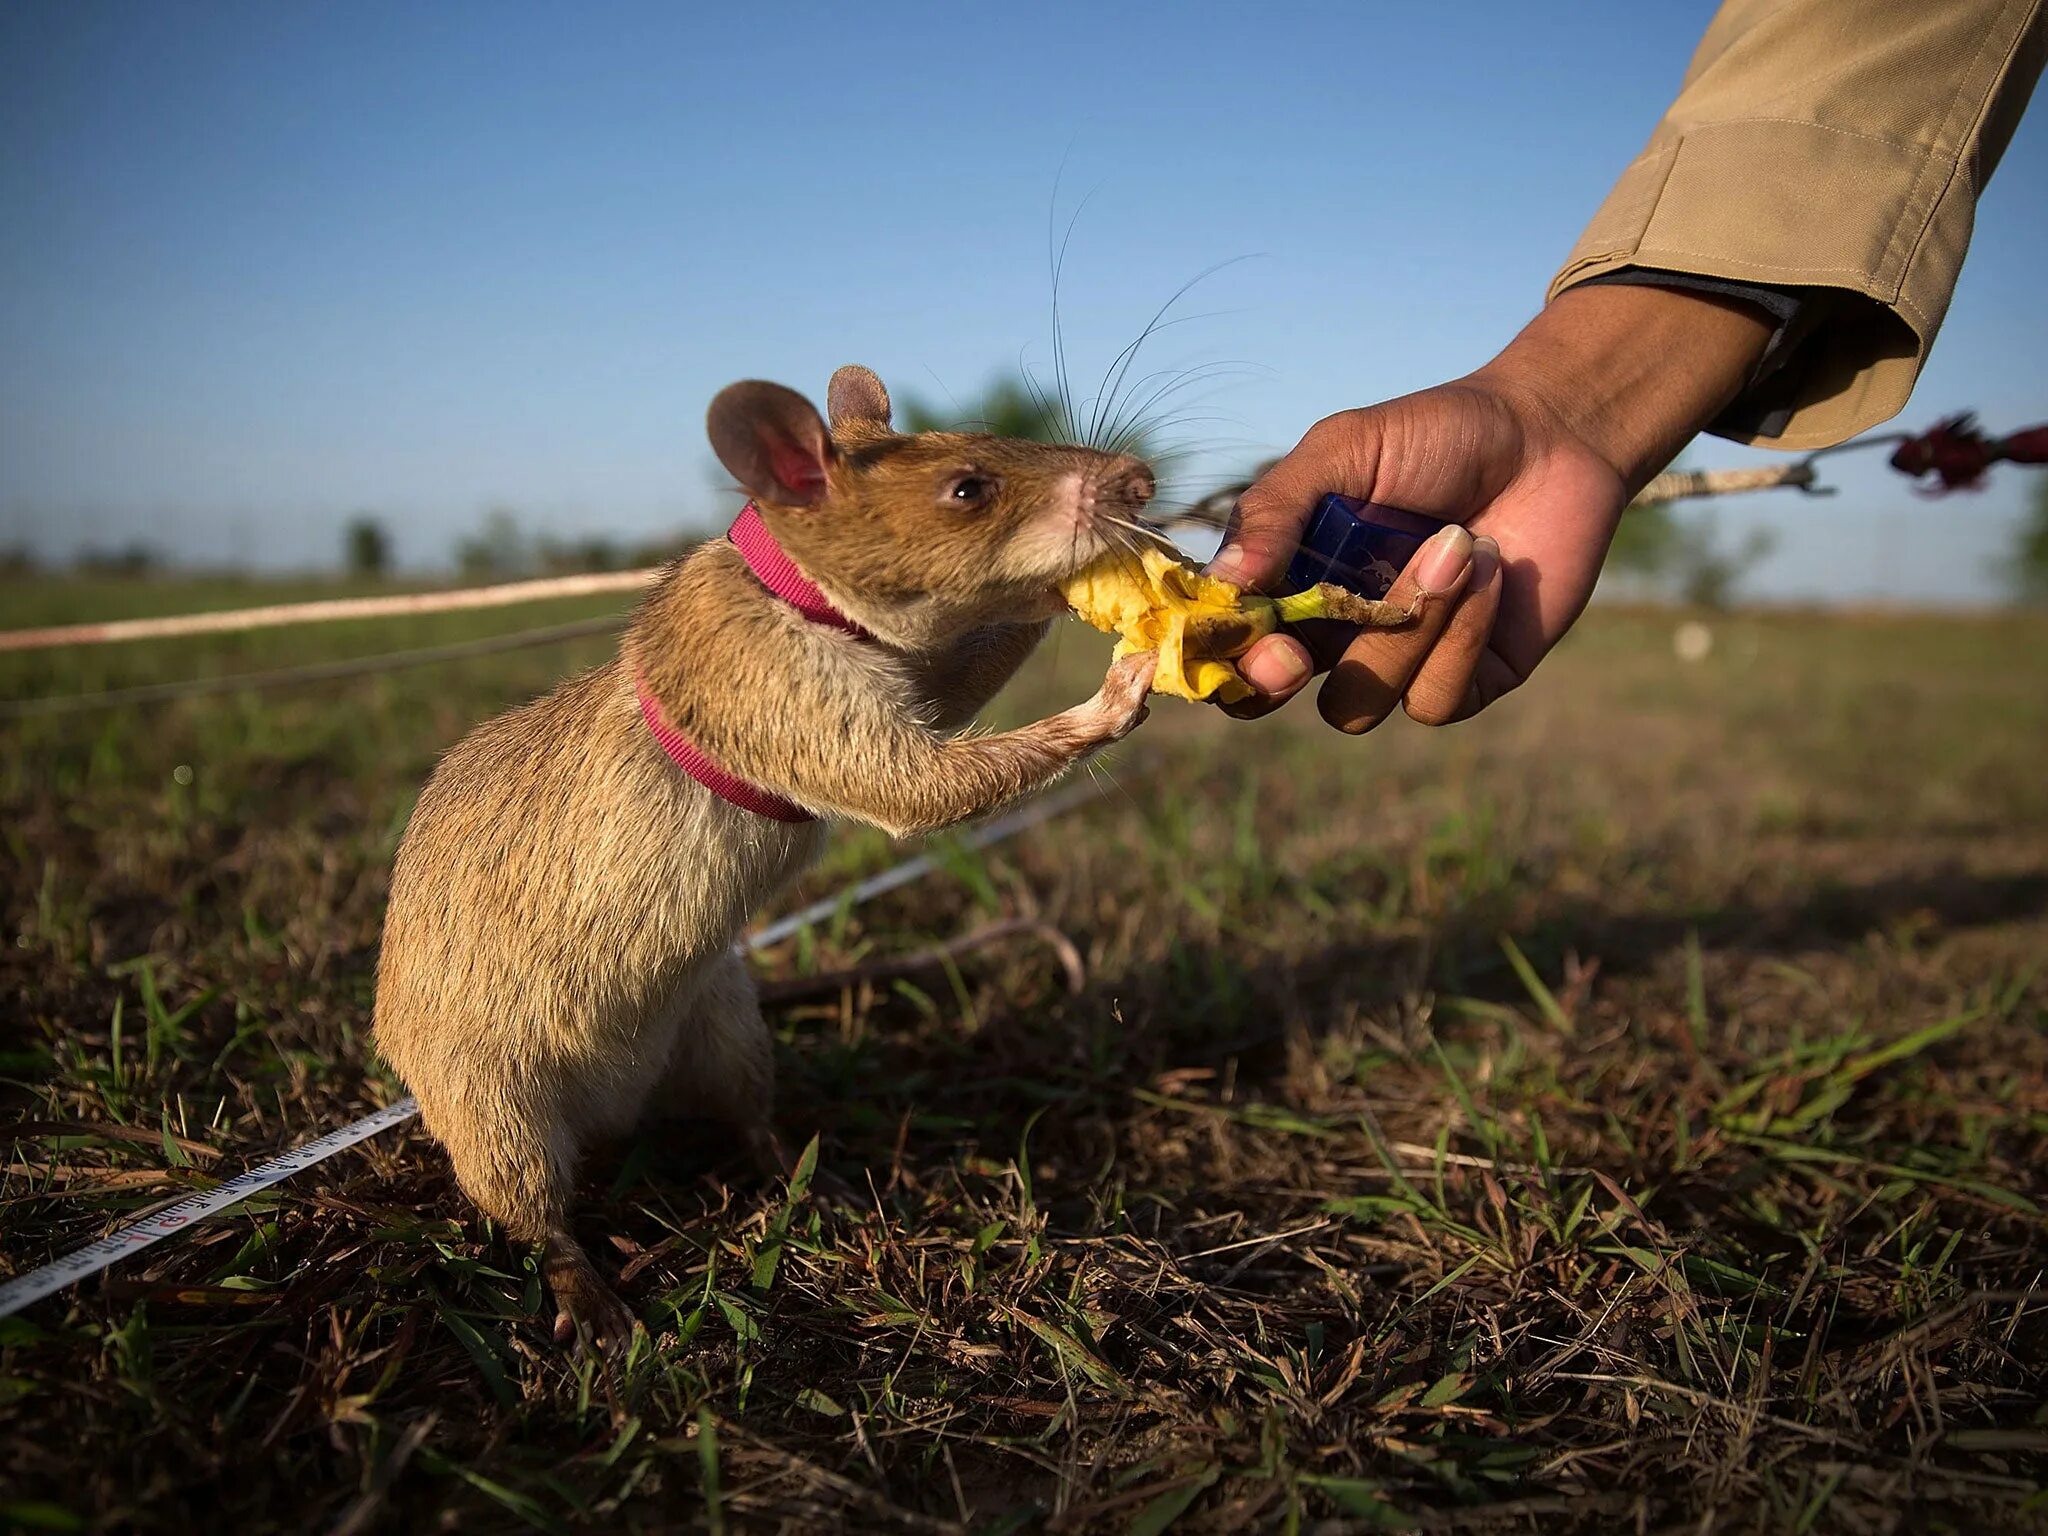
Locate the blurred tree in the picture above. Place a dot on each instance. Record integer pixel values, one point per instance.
(1707, 574)
(1646, 543)
(2030, 554)
(594, 552)
(18, 560)
(132, 559)
(366, 547)
(1682, 554)
(1005, 407)
(660, 551)
(496, 550)
(500, 550)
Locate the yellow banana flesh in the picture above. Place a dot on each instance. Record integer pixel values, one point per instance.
(1153, 601)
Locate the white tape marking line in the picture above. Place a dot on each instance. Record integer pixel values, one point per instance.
(32, 1287)
(172, 1220)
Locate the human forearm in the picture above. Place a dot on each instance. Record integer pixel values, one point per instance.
(1632, 372)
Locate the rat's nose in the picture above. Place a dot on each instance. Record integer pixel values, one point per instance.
(1128, 480)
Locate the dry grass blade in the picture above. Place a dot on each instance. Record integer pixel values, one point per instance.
(42, 1130)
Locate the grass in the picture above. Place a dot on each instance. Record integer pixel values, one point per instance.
(1627, 1112)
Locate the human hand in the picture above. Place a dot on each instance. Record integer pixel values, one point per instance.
(1533, 456)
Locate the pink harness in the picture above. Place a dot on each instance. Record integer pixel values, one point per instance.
(779, 574)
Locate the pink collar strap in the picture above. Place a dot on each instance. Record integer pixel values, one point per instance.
(779, 574)
(684, 754)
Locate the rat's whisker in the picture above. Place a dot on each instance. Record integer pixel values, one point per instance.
(1178, 451)
(943, 389)
(1120, 366)
(1059, 262)
(1137, 530)
(1195, 520)
(1148, 415)
(1048, 422)
(1114, 380)
(1133, 538)
(1136, 421)
(1117, 532)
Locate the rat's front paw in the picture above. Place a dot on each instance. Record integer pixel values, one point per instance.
(1119, 705)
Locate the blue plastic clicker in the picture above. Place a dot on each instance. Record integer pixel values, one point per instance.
(1359, 545)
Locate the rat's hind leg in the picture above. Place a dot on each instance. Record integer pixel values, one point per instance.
(519, 1167)
(722, 1066)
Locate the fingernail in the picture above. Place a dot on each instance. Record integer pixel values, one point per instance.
(1226, 565)
(1485, 561)
(1443, 559)
(1277, 668)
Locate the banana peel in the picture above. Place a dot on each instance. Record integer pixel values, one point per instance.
(1154, 601)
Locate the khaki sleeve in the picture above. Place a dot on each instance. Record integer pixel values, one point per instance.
(1831, 144)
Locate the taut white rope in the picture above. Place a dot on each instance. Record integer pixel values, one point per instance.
(328, 610)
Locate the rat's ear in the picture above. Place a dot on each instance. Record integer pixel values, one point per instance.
(772, 441)
(855, 397)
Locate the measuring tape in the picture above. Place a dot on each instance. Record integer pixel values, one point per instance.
(172, 1220)
(32, 1287)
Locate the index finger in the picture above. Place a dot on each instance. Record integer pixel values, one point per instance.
(1265, 528)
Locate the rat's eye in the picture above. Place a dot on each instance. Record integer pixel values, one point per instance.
(971, 491)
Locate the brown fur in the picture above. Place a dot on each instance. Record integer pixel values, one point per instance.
(558, 954)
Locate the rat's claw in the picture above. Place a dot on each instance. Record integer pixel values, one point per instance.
(1137, 668)
(589, 1312)
(1121, 699)
(1128, 681)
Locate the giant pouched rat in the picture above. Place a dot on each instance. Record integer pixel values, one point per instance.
(558, 954)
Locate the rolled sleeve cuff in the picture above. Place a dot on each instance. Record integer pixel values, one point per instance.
(1877, 228)
(1784, 306)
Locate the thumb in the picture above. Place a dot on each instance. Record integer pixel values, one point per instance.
(1265, 527)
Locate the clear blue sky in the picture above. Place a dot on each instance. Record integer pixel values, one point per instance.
(261, 265)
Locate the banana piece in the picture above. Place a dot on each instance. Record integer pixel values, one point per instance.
(1153, 601)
